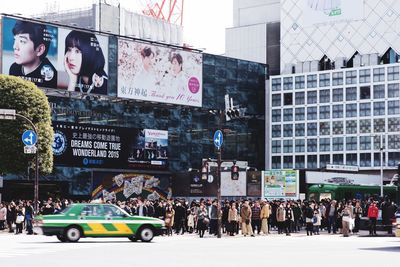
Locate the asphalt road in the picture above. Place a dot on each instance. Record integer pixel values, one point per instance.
(189, 250)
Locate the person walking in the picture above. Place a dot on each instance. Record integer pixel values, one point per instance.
(373, 212)
(245, 214)
(280, 218)
(264, 215)
(347, 216)
(309, 214)
(357, 217)
(3, 215)
(255, 217)
(169, 218)
(289, 218)
(203, 220)
(233, 219)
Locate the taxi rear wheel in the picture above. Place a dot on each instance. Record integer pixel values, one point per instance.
(146, 234)
(73, 234)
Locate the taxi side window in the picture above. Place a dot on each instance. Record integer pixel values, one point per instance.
(92, 210)
(112, 211)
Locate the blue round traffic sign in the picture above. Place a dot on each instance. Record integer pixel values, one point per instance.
(29, 138)
(218, 138)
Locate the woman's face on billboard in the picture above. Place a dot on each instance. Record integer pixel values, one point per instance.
(176, 67)
(74, 59)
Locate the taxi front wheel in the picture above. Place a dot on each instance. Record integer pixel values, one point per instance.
(146, 234)
(72, 234)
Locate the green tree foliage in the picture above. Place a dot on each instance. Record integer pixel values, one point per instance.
(31, 102)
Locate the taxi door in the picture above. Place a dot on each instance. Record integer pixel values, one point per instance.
(116, 221)
(92, 220)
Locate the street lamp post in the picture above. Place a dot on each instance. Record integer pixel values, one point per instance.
(381, 150)
(10, 114)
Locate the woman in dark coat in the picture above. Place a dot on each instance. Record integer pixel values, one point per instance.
(203, 220)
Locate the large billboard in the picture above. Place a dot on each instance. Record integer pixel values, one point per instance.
(160, 74)
(54, 57)
(124, 186)
(97, 146)
(233, 188)
(326, 11)
(342, 178)
(279, 184)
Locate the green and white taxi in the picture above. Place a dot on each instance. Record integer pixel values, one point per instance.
(97, 220)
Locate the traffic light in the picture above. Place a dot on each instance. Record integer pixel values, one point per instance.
(234, 172)
(204, 171)
(235, 112)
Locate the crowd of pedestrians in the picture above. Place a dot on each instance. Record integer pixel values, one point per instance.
(241, 216)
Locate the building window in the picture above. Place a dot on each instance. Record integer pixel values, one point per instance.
(287, 146)
(324, 128)
(351, 77)
(379, 75)
(288, 99)
(288, 130)
(288, 83)
(393, 158)
(299, 82)
(351, 143)
(300, 114)
(377, 141)
(394, 124)
(365, 76)
(337, 78)
(365, 109)
(312, 162)
(351, 127)
(379, 108)
(365, 142)
(351, 110)
(379, 91)
(276, 84)
(337, 111)
(312, 81)
(337, 95)
(300, 162)
(311, 145)
(300, 145)
(276, 162)
(337, 127)
(393, 73)
(324, 112)
(365, 92)
(337, 144)
(393, 107)
(288, 114)
(393, 90)
(394, 142)
(324, 144)
(276, 146)
(351, 93)
(311, 129)
(324, 80)
(276, 100)
(324, 96)
(300, 129)
(365, 126)
(365, 159)
(276, 131)
(276, 115)
(312, 97)
(288, 162)
(379, 125)
(377, 159)
(351, 159)
(312, 113)
(338, 159)
(300, 98)
(324, 160)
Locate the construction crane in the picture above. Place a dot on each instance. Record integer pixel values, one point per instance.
(170, 11)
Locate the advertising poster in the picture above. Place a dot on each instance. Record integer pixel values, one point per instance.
(254, 184)
(233, 188)
(190, 184)
(82, 62)
(124, 186)
(30, 51)
(160, 74)
(53, 57)
(97, 146)
(280, 184)
(325, 11)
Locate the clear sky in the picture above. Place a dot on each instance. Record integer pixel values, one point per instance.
(204, 21)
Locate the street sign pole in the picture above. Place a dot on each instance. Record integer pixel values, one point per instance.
(218, 140)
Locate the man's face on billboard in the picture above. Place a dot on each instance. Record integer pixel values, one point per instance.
(24, 51)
